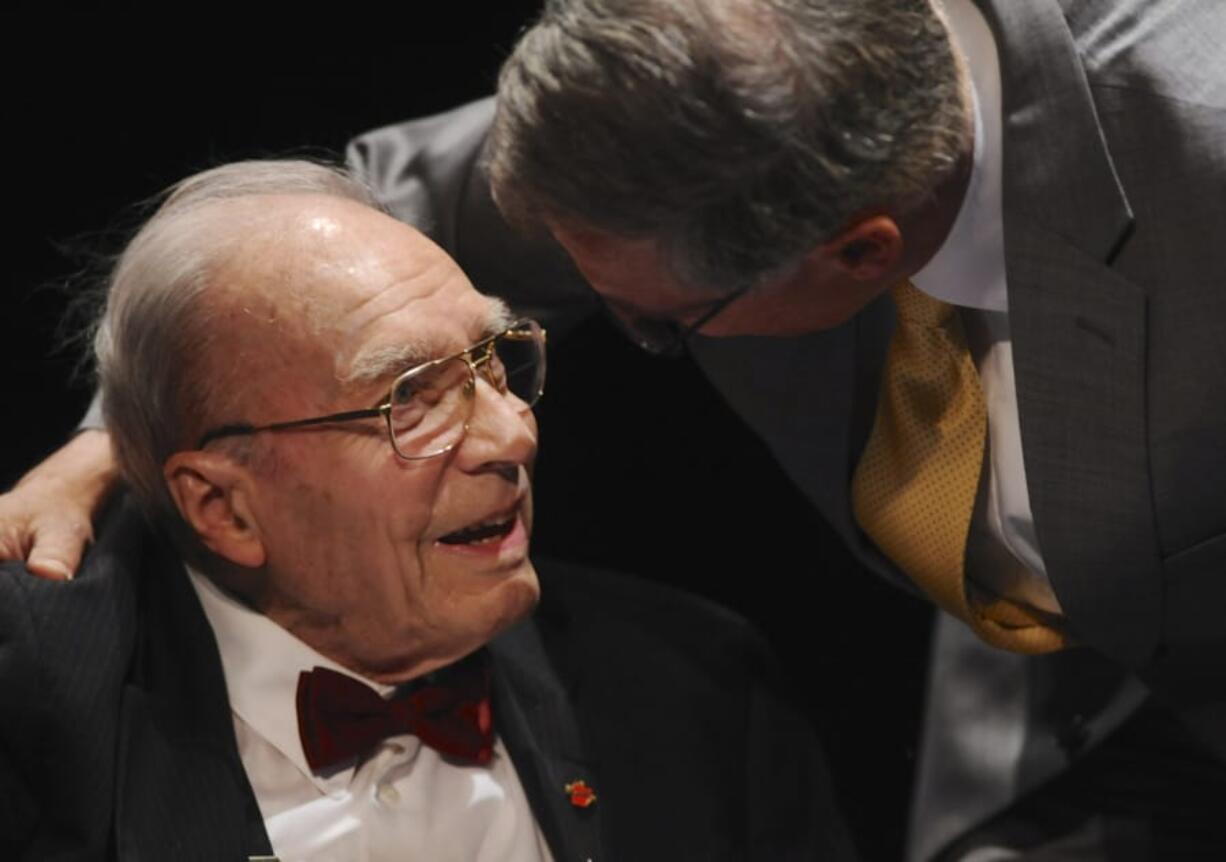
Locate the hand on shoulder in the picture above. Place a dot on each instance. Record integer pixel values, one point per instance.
(46, 518)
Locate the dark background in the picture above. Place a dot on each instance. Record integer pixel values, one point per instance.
(642, 468)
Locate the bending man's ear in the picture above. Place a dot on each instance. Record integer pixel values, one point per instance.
(866, 250)
(213, 494)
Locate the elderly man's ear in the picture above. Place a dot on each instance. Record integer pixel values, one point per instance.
(213, 494)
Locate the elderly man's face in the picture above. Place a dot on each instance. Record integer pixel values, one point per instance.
(370, 558)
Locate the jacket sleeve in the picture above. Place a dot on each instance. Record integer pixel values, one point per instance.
(64, 653)
(17, 811)
(18, 726)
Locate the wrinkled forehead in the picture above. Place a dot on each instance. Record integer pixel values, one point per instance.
(355, 295)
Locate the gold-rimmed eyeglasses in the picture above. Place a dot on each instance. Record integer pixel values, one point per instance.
(429, 406)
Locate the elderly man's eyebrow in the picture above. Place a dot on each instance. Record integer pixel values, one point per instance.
(377, 363)
(498, 317)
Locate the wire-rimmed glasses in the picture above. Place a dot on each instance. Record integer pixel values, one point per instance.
(429, 406)
(662, 337)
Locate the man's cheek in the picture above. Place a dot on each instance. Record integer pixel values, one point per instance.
(407, 548)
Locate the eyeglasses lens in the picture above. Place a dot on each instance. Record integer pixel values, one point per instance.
(518, 365)
(431, 406)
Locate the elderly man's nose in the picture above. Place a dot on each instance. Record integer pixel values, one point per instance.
(502, 430)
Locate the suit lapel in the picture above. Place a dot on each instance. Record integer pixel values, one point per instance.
(1057, 169)
(1079, 334)
(181, 791)
(535, 718)
(812, 399)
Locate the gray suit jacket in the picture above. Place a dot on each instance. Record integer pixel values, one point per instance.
(1114, 195)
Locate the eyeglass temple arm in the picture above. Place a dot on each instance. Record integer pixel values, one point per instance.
(240, 430)
(382, 410)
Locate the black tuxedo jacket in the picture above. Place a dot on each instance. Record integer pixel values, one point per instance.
(116, 737)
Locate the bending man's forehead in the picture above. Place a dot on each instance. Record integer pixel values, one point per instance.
(377, 362)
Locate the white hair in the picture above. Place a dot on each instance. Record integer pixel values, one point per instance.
(154, 338)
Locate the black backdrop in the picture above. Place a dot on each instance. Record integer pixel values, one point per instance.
(642, 468)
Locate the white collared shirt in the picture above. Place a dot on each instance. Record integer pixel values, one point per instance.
(969, 271)
(402, 802)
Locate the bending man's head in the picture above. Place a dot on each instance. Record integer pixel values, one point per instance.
(266, 293)
(734, 135)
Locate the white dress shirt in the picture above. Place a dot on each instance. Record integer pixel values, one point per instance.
(969, 271)
(403, 801)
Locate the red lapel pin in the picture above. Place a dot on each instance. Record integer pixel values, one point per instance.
(581, 796)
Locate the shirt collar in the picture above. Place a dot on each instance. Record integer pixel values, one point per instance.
(969, 267)
(261, 662)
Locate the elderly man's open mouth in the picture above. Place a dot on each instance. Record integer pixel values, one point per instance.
(491, 532)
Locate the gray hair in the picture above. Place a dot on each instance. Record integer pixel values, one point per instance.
(153, 340)
(737, 133)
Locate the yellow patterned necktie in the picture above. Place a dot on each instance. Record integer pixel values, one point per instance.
(914, 489)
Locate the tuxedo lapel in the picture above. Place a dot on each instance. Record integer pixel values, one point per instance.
(181, 791)
(179, 796)
(534, 716)
(1079, 335)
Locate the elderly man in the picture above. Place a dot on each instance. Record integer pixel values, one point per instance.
(333, 432)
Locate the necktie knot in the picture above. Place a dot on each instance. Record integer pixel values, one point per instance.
(918, 308)
(340, 718)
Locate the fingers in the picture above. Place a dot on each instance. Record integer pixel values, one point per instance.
(51, 568)
(45, 518)
(43, 529)
(57, 545)
(56, 552)
(51, 548)
(14, 538)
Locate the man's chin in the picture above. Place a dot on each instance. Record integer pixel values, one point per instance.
(517, 597)
(472, 621)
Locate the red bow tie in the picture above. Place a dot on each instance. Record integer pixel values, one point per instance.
(340, 718)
